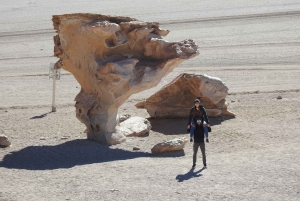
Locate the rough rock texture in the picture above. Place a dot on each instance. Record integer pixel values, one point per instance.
(4, 141)
(124, 117)
(112, 58)
(176, 98)
(134, 126)
(171, 145)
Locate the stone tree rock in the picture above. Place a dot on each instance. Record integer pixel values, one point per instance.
(112, 58)
(171, 145)
(4, 141)
(176, 99)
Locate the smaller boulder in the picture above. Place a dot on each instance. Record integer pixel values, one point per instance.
(134, 126)
(4, 141)
(171, 145)
(175, 99)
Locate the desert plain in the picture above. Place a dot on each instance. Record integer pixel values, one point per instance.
(253, 46)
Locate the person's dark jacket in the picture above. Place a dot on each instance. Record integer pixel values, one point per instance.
(194, 114)
(199, 134)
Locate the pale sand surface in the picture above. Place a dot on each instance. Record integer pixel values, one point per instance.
(253, 46)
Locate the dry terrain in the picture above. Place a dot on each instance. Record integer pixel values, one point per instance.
(253, 46)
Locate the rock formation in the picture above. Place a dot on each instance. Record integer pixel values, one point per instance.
(112, 58)
(176, 99)
(4, 141)
(171, 145)
(134, 126)
(123, 117)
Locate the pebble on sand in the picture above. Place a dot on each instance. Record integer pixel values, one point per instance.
(136, 148)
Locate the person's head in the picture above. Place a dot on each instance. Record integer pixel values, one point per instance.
(199, 121)
(197, 102)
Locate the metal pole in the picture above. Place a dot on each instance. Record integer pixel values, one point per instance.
(53, 91)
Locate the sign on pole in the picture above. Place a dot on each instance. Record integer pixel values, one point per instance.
(55, 75)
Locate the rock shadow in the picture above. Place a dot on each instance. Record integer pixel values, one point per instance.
(190, 174)
(66, 155)
(168, 126)
(178, 126)
(170, 154)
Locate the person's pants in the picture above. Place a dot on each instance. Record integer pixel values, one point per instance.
(195, 148)
(193, 128)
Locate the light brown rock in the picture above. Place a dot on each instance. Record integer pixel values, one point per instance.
(135, 126)
(112, 58)
(171, 145)
(4, 141)
(175, 99)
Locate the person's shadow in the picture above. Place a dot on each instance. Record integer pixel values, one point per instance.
(190, 174)
(41, 116)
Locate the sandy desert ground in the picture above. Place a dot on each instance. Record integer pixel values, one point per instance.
(253, 46)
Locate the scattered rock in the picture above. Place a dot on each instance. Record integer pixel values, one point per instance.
(135, 126)
(171, 145)
(4, 141)
(279, 97)
(136, 148)
(176, 98)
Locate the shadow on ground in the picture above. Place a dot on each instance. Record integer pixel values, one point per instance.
(72, 153)
(178, 126)
(66, 155)
(190, 174)
(178, 153)
(40, 116)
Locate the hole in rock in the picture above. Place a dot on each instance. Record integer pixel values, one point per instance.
(98, 127)
(109, 42)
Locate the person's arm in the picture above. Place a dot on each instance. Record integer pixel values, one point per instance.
(205, 115)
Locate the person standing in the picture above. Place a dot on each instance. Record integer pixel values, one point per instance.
(197, 111)
(199, 142)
